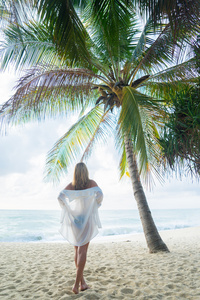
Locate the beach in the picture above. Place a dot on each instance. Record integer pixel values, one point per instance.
(117, 268)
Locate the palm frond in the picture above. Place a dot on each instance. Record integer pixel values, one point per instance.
(70, 146)
(161, 51)
(139, 49)
(130, 122)
(44, 92)
(181, 14)
(157, 54)
(103, 131)
(15, 11)
(28, 45)
(154, 106)
(166, 82)
(4, 13)
(152, 121)
(138, 121)
(144, 39)
(165, 90)
(70, 36)
(123, 166)
(112, 27)
(185, 71)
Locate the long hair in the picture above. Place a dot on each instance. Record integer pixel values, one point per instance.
(81, 177)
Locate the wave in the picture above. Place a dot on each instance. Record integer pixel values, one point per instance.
(105, 232)
(21, 238)
(43, 226)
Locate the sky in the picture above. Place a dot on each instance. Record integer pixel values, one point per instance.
(23, 153)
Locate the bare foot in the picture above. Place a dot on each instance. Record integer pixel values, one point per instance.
(84, 287)
(75, 290)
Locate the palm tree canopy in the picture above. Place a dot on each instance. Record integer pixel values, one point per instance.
(180, 137)
(102, 62)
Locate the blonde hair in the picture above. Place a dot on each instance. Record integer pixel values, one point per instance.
(81, 177)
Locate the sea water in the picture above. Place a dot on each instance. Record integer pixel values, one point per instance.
(43, 225)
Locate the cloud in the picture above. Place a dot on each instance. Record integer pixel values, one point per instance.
(7, 83)
(22, 143)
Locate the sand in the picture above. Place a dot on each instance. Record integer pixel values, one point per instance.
(118, 269)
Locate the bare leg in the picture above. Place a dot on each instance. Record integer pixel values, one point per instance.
(83, 284)
(75, 255)
(80, 260)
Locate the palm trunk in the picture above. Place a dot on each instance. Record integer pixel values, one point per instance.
(153, 239)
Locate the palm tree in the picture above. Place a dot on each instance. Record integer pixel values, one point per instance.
(112, 70)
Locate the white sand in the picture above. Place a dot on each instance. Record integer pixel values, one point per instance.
(114, 270)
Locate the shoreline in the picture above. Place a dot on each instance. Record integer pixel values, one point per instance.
(109, 238)
(140, 235)
(118, 269)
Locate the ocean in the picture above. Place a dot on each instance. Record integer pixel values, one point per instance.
(43, 225)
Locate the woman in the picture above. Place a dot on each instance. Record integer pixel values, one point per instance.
(80, 201)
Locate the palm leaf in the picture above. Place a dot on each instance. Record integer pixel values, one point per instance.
(123, 165)
(70, 146)
(166, 82)
(165, 90)
(4, 13)
(130, 122)
(146, 38)
(15, 11)
(151, 121)
(44, 92)
(112, 27)
(184, 71)
(162, 52)
(138, 121)
(181, 14)
(103, 130)
(70, 36)
(158, 54)
(28, 45)
(154, 153)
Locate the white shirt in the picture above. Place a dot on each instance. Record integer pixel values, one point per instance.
(79, 216)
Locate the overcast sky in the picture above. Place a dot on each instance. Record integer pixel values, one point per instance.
(22, 158)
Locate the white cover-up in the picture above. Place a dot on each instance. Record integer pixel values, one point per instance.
(79, 215)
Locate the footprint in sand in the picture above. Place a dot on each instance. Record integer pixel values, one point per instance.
(92, 296)
(70, 282)
(127, 291)
(170, 286)
(18, 281)
(91, 278)
(138, 293)
(104, 282)
(101, 269)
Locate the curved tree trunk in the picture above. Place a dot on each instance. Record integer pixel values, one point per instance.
(153, 239)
